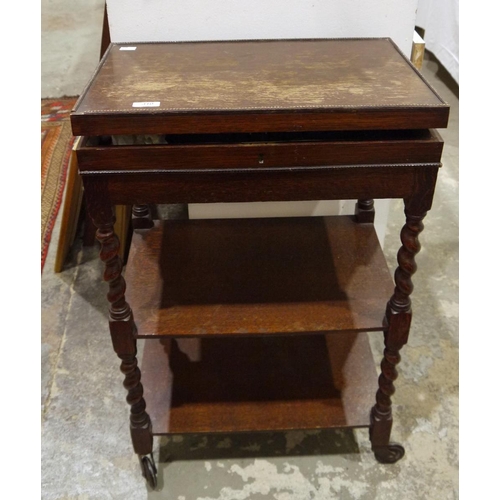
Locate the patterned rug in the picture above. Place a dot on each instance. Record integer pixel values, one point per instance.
(57, 142)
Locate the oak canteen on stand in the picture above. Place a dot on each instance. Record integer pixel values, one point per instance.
(281, 307)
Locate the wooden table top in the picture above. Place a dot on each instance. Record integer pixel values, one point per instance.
(193, 87)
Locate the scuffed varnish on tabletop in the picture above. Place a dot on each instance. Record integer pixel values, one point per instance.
(247, 76)
(266, 88)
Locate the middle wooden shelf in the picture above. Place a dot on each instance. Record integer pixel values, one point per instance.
(246, 277)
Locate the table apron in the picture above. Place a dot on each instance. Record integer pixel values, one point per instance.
(251, 185)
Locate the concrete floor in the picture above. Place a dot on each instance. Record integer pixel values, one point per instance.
(71, 41)
(86, 449)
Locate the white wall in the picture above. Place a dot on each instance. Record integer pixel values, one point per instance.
(174, 20)
(182, 20)
(439, 18)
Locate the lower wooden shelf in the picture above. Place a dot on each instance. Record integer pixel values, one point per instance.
(237, 384)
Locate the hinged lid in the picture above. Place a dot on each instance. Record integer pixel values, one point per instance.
(256, 86)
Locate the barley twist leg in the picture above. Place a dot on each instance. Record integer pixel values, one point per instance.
(123, 330)
(398, 320)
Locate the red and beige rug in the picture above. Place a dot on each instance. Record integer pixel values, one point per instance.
(57, 141)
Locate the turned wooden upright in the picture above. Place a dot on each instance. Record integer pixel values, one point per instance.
(259, 121)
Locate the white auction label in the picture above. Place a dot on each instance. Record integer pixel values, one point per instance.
(151, 104)
(128, 48)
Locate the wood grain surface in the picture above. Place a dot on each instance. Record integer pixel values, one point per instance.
(257, 277)
(270, 85)
(260, 384)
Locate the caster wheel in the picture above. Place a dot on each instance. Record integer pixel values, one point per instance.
(389, 454)
(149, 471)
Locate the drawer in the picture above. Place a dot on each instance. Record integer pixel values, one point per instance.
(184, 153)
